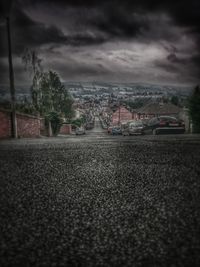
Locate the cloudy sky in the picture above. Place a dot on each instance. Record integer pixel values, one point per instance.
(107, 40)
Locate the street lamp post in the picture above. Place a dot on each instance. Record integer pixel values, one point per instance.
(12, 87)
(119, 117)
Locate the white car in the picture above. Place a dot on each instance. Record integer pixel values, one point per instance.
(133, 128)
(80, 130)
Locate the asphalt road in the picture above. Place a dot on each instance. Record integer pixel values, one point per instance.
(98, 200)
(97, 127)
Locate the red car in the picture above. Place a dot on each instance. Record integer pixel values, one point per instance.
(109, 129)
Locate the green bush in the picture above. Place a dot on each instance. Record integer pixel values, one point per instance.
(78, 122)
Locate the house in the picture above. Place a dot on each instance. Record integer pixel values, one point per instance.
(121, 115)
(154, 109)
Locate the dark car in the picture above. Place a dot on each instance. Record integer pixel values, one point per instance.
(116, 130)
(165, 125)
(89, 126)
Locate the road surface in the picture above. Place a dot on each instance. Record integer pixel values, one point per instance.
(97, 128)
(99, 200)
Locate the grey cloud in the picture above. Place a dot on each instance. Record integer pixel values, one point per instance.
(174, 59)
(166, 66)
(20, 75)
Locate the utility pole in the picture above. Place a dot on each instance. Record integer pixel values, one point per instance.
(12, 87)
(119, 113)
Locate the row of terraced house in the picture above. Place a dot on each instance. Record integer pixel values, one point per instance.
(122, 114)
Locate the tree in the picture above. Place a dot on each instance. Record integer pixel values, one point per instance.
(77, 122)
(49, 96)
(32, 64)
(56, 121)
(26, 106)
(53, 101)
(194, 109)
(175, 100)
(165, 100)
(53, 95)
(137, 103)
(47, 91)
(67, 109)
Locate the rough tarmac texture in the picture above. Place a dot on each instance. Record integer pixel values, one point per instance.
(100, 204)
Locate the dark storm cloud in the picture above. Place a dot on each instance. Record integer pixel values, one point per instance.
(127, 19)
(192, 61)
(36, 33)
(112, 19)
(184, 66)
(174, 59)
(84, 39)
(169, 30)
(28, 33)
(184, 12)
(171, 68)
(195, 60)
(121, 24)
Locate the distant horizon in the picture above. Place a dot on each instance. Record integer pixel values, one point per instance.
(111, 82)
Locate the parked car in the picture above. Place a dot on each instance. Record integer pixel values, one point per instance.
(89, 126)
(165, 125)
(109, 129)
(133, 128)
(80, 130)
(104, 126)
(116, 130)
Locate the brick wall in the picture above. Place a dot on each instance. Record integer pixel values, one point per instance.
(43, 130)
(27, 125)
(65, 129)
(5, 125)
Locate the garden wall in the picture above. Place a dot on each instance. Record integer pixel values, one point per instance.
(65, 129)
(27, 125)
(5, 124)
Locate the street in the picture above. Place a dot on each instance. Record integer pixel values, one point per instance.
(99, 200)
(97, 127)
